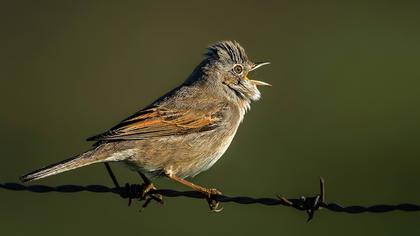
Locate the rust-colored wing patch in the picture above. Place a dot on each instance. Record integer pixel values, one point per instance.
(158, 122)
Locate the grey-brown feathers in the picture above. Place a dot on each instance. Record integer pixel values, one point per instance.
(186, 130)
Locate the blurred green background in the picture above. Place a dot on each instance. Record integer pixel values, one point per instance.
(344, 105)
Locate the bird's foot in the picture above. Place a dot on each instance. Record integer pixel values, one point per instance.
(211, 197)
(211, 194)
(143, 192)
(147, 195)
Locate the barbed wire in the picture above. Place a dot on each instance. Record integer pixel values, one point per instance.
(132, 191)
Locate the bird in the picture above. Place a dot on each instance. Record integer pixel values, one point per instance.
(185, 131)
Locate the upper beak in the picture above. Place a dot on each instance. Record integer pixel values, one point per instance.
(256, 66)
(259, 64)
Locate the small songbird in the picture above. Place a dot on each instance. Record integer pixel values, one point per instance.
(185, 131)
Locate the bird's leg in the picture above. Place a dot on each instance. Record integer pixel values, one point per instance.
(111, 174)
(128, 193)
(145, 193)
(209, 193)
(133, 191)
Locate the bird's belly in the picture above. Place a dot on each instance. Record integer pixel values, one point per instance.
(185, 156)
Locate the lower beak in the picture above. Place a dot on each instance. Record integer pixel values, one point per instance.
(260, 83)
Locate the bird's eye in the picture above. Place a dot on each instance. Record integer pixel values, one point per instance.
(238, 69)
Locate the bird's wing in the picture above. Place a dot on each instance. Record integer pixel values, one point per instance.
(160, 121)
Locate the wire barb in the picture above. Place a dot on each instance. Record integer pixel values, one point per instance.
(308, 204)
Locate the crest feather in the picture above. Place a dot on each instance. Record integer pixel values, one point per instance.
(228, 51)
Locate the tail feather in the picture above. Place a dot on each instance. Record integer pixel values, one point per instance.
(84, 159)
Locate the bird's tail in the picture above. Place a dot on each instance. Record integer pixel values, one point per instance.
(84, 159)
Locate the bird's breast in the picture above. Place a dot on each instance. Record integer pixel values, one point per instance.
(188, 154)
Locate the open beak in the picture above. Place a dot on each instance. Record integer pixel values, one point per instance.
(256, 66)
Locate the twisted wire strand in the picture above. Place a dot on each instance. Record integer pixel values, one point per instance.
(308, 204)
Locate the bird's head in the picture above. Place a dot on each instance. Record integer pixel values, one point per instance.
(227, 62)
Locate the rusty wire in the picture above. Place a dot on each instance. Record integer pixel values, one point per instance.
(308, 204)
